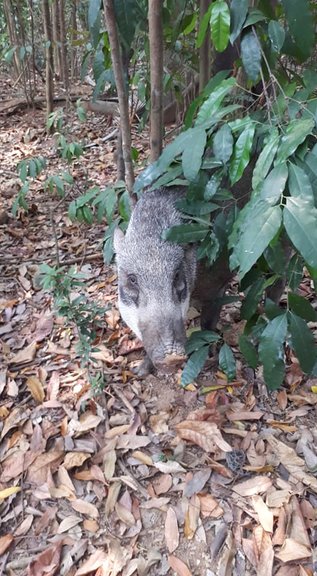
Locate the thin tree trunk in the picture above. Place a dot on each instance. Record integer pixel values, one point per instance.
(122, 94)
(9, 16)
(62, 28)
(204, 50)
(49, 91)
(26, 72)
(73, 38)
(33, 49)
(56, 38)
(156, 75)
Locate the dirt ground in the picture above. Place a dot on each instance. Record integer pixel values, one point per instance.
(143, 477)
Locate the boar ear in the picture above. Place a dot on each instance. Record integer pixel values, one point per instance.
(118, 240)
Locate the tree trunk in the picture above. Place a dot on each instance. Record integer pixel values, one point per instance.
(156, 72)
(204, 50)
(10, 20)
(62, 27)
(56, 38)
(49, 91)
(73, 38)
(34, 90)
(122, 94)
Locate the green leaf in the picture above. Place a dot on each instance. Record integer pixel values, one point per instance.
(299, 184)
(301, 307)
(174, 149)
(193, 153)
(227, 362)
(274, 184)
(124, 206)
(110, 203)
(186, 233)
(214, 100)
(271, 351)
(251, 55)
(196, 207)
(194, 365)
(223, 144)
(266, 158)
(241, 154)
(213, 185)
(203, 27)
(220, 24)
(261, 222)
(294, 271)
(238, 13)
(93, 12)
(276, 34)
(200, 338)
(295, 134)
(172, 173)
(301, 25)
(249, 351)
(254, 17)
(303, 342)
(300, 221)
(129, 14)
(252, 298)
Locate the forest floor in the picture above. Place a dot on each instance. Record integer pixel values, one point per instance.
(143, 477)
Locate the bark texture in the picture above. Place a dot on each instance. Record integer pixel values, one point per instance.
(156, 72)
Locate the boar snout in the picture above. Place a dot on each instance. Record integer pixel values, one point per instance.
(164, 341)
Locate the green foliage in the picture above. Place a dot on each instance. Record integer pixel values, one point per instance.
(268, 153)
(227, 362)
(67, 287)
(69, 150)
(197, 346)
(28, 170)
(220, 24)
(56, 120)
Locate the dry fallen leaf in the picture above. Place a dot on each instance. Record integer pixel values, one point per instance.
(205, 434)
(85, 508)
(124, 514)
(256, 485)
(74, 459)
(9, 491)
(25, 526)
(293, 463)
(266, 556)
(36, 388)
(68, 523)
(5, 542)
(48, 562)
(109, 464)
(178, 566)
(209, 507)
(162, 483)
(192, 517)
(25, 355)
(171, 530)
(293, 551)
(97, 559)
(264, 513)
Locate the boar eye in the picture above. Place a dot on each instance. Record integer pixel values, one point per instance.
(132, 279)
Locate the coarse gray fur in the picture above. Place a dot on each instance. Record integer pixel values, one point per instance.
(155, 277)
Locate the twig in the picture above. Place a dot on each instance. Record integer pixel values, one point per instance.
(75, 260)
(122, 397)
(55, 237)
(4, 563)
(127, 472)
(110, 136)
